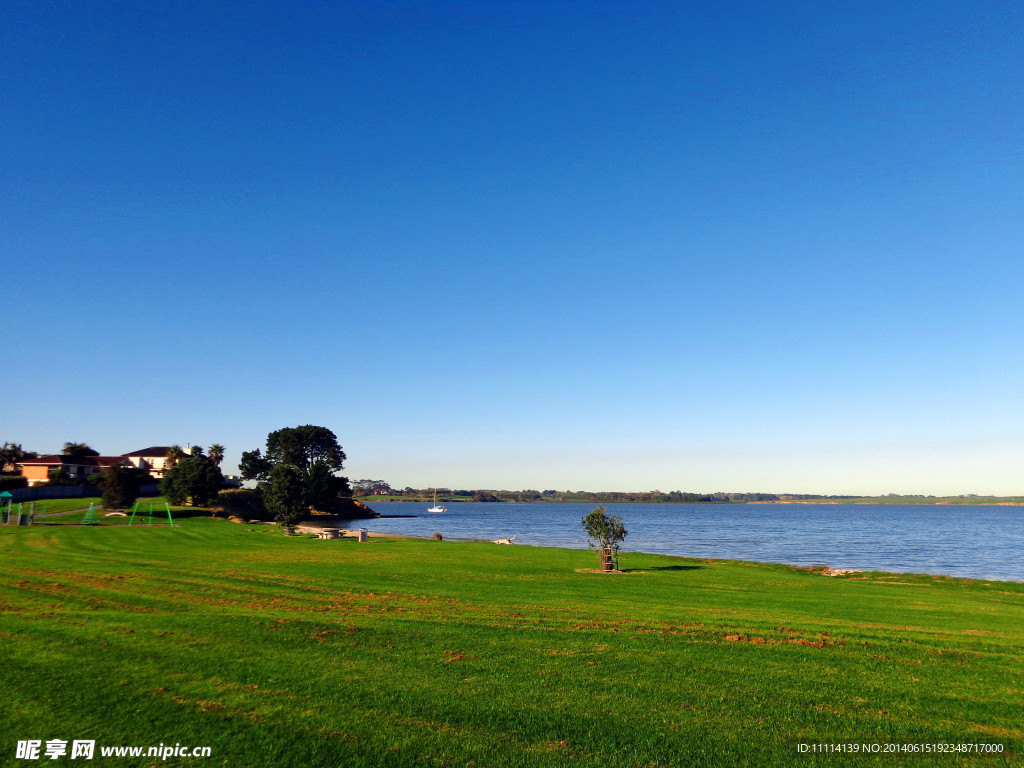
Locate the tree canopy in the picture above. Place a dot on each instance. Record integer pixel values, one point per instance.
(193, 478)
(286, 494)
(303, 446)
(606, 534)
(78, 450)
(120, 486)
(298, 472)
(59, 476)
(10, 455)
(174, 455)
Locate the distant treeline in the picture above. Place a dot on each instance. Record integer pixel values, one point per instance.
(380, 489)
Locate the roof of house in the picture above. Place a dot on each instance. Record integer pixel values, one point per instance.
(82, 461)
(153, 452)
(56, 459)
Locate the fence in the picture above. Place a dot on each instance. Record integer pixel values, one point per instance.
(67, 492)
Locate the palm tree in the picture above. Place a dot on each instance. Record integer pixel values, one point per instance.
(197, 450)
(10, 455)
(174, 455)
(78, 450)
(216, 453)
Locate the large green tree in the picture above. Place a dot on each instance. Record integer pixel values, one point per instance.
(309, 457)
(194, 479)
(120, 486)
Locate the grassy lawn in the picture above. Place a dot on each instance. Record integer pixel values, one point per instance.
(64, 506)
(56, 506)
(278, 651)
(73, 511)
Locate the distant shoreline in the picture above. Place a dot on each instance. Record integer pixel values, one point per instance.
(984, 501)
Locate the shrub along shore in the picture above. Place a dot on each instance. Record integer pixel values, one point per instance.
(292, 651)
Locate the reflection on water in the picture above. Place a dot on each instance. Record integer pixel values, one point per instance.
(972, 541)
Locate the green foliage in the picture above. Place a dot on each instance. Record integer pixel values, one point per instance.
(286, 495)
(255, 466)
(10, 455)
(379, 488)
(216, 453)
(324, 489)
(606, 534)
(78, 450)
(304, 446)
(10, 482)
(369, 487)
(246, 503)
(312, 456)
(174, 454)
(193, 480)
(120, 486)
(60, 476)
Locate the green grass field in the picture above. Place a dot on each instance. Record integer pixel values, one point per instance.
(73, 511)
(55, 506)
(278, 651)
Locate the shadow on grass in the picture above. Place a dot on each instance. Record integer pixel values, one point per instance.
(176, 513)
(666, 568)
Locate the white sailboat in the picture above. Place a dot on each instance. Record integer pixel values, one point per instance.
(436, 509)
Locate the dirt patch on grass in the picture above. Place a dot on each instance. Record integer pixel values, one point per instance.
(824, 642)
(824, 570)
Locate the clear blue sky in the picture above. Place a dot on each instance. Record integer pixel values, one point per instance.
(600, 245)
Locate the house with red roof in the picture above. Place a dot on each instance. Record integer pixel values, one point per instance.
(152, 459)
(37, 471)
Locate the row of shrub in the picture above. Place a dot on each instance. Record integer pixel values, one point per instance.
(247, 503)
(10, 482)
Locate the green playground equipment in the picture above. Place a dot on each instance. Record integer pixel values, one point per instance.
(19, 516)
(90, 516)
(135, 509)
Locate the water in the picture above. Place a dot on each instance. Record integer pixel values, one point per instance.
(983, 542)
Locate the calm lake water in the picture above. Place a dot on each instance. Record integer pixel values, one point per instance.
(984, 542)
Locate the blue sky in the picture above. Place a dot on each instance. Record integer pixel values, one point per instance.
(560, 245)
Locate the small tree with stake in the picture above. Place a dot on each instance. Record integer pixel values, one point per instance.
(606, 533)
